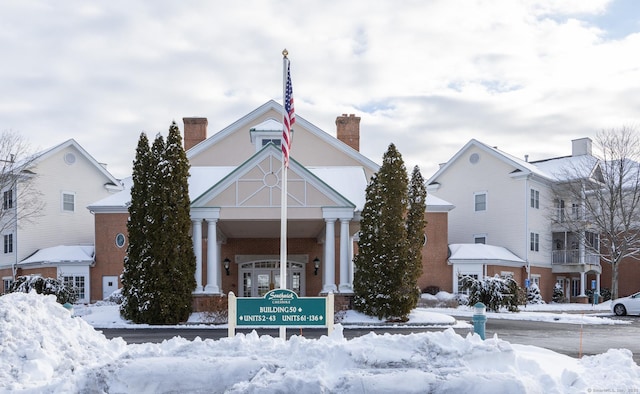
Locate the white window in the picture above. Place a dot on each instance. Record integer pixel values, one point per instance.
(535, 199)
(535, 280)
(275, 141)
(68, 202)
(480, 239)
(506, 274)
(480, 201)
(535, 242)
(8, 243)
(77, 283)
(7, 201)
(6, 284)
(559, 210)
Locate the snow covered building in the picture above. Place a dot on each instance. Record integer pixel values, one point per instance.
(508, 205)
(235, 187)
(58, 241)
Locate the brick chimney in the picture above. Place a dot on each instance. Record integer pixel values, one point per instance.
(195, 131)
(348, 130)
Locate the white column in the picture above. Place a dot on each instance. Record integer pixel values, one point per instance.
(213, 260)
(345, 284)
(583, 278)
(197, 249)
(329, 257)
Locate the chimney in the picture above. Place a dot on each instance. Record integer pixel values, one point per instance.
(581, 146)
(195, 131)
(348, 130)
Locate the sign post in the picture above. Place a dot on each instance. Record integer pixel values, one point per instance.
(280, 307)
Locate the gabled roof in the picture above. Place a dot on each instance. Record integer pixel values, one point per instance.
(336, 175)
(270, 105)
(61, 254)
(481, 253)
(43, 155)
(346, 183)
(551, 170)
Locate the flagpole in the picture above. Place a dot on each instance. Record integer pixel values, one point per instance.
(283, 196)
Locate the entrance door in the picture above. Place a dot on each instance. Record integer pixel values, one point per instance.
(260, 277)
(264, 282)
(109, 285)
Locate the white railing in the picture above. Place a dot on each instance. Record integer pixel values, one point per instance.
(572, 256)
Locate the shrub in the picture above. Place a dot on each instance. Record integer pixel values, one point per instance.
(533, 295)
(215, 310)
(46, 286)
(558, 294)
(494, 292)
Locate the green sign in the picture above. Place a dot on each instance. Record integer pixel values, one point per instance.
(281, 307)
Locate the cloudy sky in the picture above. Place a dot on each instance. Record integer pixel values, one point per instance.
(428, 75)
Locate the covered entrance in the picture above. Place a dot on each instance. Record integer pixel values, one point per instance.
(258, 277)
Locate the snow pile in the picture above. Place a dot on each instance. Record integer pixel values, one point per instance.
(41, 343)
(44, 349)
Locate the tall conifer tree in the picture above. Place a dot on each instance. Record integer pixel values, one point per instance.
(383, 258)
(180, 260)
(415, 231)
(159, 270)
(138, 248)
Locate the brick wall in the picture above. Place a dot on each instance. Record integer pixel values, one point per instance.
(436, 271)
(109, 257)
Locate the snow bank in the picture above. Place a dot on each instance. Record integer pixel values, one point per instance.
(44, 349)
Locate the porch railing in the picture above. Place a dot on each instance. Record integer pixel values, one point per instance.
(573, 257)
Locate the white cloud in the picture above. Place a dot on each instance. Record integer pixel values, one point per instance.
(425, 75)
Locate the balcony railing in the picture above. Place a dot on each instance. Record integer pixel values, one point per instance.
(572, 256)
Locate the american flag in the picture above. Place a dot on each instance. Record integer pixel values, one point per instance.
(289, 117)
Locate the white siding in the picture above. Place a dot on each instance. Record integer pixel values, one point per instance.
(54, 226)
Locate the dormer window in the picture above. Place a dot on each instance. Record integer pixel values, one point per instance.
(269, 131)
(275, 141)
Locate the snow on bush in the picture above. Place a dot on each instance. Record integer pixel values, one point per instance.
(533, 295)
(494, 292)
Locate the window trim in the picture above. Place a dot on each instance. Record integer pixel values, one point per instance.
(7, 203)
(534, 199)
(477, 237)
(63, 203)
(534, 242)
(475, 202)
(8, 243)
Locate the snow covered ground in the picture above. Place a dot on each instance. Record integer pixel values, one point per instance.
(43, 349)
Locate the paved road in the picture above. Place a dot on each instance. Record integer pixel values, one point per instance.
(570, 339)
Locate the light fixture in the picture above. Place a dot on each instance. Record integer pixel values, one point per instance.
(316, 265)
(226, 265)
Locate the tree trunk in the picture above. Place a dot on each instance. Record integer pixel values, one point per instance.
(614, 280)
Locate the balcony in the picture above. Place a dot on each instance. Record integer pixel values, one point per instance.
(568, 261)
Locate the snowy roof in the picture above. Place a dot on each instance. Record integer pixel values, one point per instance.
(481, 252)
(61, 254)
(350, 182)
(555, 169)
(435, 204)
(568, 168)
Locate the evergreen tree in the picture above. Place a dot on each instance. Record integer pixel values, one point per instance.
(138, 249)
(415, 228)
(383, 258)
(159, 269)
(179, 263)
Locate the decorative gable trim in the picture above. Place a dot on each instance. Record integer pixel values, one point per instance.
(256, 184)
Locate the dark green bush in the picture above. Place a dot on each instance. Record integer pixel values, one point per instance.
(46, 286)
